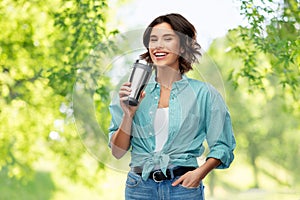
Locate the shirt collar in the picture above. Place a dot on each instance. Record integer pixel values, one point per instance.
(177, 86)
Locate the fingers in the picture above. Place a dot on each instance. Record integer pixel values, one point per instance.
(189, 179)
(143, 94)
(177, 181)
(125, 91)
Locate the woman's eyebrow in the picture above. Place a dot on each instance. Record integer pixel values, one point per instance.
(164, 35)
(168, 35)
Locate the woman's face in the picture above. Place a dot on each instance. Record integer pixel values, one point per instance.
(164, 46)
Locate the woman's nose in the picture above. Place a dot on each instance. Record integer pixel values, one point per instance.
(160, 44)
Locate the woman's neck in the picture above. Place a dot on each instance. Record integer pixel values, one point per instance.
(166, 76)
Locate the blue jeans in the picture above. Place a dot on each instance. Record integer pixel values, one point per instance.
(138, 189)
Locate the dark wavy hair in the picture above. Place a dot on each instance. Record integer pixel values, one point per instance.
(187, 34)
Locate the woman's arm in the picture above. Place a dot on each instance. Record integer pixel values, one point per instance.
(120, 141)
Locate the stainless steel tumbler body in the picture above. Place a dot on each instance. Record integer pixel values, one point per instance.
(139, 78)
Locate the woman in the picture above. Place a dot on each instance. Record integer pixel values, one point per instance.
(175, 115)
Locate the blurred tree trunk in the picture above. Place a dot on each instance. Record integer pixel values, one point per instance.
(253, 158)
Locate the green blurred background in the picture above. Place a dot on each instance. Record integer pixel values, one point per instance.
(44, 46)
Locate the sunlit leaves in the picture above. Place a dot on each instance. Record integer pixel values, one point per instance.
(42, 46)
(84, 26)
(273, 29)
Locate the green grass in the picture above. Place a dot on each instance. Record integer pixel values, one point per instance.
(53, 186)
(40, 187)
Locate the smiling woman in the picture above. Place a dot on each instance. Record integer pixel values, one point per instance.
(175, 115)
(179, 36)
(164, 46)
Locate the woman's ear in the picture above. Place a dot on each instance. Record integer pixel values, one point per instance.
(182, 50)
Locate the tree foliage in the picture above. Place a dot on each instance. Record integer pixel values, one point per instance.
(272, 29)
(26, 46)
(42, 46)
(262, 63)
(267, 131)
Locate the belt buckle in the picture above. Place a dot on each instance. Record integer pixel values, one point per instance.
(158, 176)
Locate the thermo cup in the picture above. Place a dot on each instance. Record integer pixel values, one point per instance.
(139, 78)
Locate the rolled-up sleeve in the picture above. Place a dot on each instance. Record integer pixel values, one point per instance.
(220, 136)
(116, 117)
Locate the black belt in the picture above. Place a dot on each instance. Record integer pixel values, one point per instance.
(158, 175)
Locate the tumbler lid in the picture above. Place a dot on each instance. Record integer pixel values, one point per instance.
(142, 61)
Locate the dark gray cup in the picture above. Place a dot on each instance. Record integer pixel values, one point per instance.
(139, 78)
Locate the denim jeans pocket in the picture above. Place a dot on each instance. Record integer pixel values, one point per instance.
(183, 192)
(133, 179)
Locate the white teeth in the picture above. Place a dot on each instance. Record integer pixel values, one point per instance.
(160, 54)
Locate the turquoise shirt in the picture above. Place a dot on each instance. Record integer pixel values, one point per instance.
(196, 112)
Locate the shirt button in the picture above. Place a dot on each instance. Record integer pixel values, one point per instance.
(156, 97)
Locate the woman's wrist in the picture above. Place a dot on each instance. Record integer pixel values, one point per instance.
(207, 167)
(128, 116)
(126, 124)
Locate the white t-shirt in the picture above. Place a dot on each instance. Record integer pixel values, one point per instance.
(161, 127)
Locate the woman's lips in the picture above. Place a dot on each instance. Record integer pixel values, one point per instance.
(160, 55)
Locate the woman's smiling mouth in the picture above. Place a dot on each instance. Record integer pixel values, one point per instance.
(160, 55)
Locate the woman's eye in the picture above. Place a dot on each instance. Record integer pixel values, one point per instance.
(168, 39)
